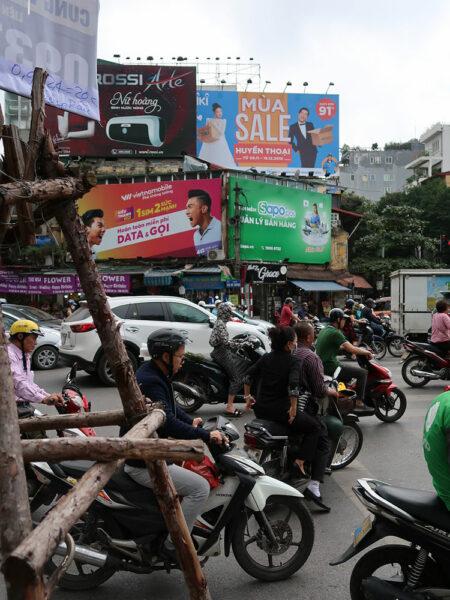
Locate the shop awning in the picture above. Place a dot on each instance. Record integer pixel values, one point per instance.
(319, 286)
(357, 281)
(160, 276)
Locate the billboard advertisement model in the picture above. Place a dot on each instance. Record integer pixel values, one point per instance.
(281, 224)
(165, 218)
(275, 133)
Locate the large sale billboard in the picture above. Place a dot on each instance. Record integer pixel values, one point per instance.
(145, 111)
(60, 37)
(281, 224)
(275, 133)
(161, 219)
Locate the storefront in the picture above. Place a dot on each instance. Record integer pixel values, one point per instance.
(321, 296)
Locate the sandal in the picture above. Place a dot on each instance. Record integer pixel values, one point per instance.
(234, 415)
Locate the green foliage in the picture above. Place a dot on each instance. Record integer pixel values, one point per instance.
(398, 146)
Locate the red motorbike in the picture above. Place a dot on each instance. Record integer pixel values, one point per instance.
(422, 363)
(74, 402)
(384, 396)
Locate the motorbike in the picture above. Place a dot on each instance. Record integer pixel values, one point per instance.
(393, 340)
(422, 363)
(203, 381)
(416, 571)
(367, 337)
(264, 521)
(271, 445)
(381, 393)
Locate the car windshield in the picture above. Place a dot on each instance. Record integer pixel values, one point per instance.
(36, 313)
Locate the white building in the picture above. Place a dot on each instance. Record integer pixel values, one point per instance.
(436, 156)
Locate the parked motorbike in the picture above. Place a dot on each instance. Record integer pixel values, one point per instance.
(393, 340)
(264, 521)
(384, 396)
(422, 363)
(271, 445)
(203, 381)
(419, 570)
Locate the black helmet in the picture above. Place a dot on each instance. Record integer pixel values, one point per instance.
(165, 340)
(369, 302)
(335, 314)
(350, 303)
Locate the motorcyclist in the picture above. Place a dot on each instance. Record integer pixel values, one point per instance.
(22, 341)
(304, 313)
(329, 342)
(374, 321)
(349, 329)
(436, 445)
(166, 348)
(440, 327)
(287, 317)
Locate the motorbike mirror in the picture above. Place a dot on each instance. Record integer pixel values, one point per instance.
(72, 373)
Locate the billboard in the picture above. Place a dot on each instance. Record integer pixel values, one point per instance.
(165, 218)
(60, 37)
(279, 223)
(275, 133)
(145, 110)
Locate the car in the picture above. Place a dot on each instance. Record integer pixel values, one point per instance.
(46, 354)
(383, 306)
(139, 316)
(42, 318)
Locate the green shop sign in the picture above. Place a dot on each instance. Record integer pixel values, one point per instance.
(277, 223)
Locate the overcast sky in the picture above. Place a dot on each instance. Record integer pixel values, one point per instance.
(388, 59)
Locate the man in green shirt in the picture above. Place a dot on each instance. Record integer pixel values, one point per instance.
(329, 342)
(436, 445)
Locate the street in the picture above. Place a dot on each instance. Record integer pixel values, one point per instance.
(390, 452)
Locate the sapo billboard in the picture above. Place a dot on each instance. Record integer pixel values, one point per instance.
(145, 110)
(275, 133)
(279, 223)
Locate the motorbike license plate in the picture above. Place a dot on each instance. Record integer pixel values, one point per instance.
(405, 355)
(254, 454)
(362, 531)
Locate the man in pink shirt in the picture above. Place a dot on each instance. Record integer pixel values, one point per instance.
(440, 327)
(22, 341)
(287, 316)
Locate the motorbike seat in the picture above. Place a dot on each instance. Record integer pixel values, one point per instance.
(430, 347)
(272, 427)
(426, 506)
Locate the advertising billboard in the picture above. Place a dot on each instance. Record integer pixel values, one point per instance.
(145, 111)
(60, 37)
(275, 133)
(281, 224)
(149, 220)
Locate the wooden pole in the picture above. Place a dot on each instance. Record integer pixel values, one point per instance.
(105, 449)
(91, 419)
(27, 560)
(47, 190)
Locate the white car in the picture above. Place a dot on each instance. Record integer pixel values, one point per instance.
(139, 316)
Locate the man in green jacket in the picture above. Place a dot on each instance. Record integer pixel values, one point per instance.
(436, 445)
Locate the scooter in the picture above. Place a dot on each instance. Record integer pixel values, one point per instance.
(367, 337)
(393, 340)
(422, 363)
(381, 393)
(416, 571)
(264, 521)
(203, 381)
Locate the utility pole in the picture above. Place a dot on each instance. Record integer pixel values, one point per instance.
(237, 237)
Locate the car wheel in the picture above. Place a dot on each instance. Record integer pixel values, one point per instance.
(45, 357)
(104, 371)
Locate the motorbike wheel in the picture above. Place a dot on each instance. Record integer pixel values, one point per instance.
(392, 408)
(188, 403)
(348, 447)
(414, 362)
(391, 563)
(395, 346)
(81, 576)
(379, 349)
(293, 527)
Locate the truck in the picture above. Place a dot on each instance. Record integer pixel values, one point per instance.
(414, 293)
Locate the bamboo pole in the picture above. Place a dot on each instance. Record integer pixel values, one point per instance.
(105, 449)
(27, 560)
(90, 419)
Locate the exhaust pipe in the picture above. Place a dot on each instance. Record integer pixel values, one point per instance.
(418, 373)
(84, 555)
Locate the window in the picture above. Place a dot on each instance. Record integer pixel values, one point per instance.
(388, 160)
(372, 178)
(183, 313)
(365, 178)
(378, 160)
(388, 190)
(435, 146)
(388, 177)
(126, 311)
(151, 311)
(356, 159)
(352, 177)
(372, 160)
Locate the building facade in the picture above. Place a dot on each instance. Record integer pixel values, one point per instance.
(436, 154)
(375, 173)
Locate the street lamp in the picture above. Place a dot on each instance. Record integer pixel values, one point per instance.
(222, 81)
(265, 85)
(202, 81)
(329, 85)
(305, 85)
(288, 83)
(248, 81)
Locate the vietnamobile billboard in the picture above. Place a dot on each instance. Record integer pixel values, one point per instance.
(277, 223)
(166, 218)
(276, 133)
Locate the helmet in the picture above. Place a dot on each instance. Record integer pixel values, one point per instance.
(369, 302)
(335, 314)
(304, 304)
(288, 299)
(202, 303)
(218, 301)
(350, 303)
(165, 340)
(25, 326)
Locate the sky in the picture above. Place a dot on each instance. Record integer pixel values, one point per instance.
(387, 59)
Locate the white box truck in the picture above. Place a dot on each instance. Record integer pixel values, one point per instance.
(414, 293)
